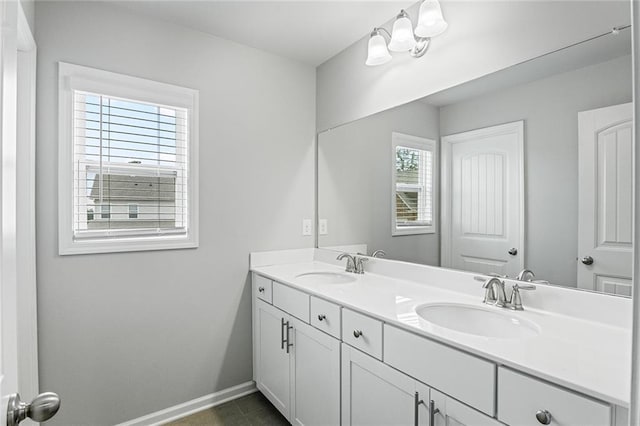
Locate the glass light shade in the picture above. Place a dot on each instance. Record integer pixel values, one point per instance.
(378, 52)
(431, 23)
(402, 38)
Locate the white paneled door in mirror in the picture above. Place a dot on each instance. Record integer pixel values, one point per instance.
(482, 219)
(605, 216)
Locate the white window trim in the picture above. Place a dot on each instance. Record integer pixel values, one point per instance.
(409, 141)
(74, 77)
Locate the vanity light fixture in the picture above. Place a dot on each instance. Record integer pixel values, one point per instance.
(431, 23)
(403, 37)
(378, 52)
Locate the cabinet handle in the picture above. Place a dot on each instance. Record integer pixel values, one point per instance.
(282, 339)
(322, 317)
(261, 289)
(544, 417)
(288, 344)
(432, 412)
(416, 404)
(357, 333)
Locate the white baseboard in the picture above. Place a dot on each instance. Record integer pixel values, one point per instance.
(186, 408)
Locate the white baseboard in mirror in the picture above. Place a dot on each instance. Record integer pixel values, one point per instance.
(190, 407)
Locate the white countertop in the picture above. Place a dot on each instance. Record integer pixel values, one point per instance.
(587, 356)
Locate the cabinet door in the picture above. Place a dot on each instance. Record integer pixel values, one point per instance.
(315, 376)
(453, 413)
(273, 375)
(374, 393)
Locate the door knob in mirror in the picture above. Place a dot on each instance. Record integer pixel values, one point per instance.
(587, 260)
(513, 251)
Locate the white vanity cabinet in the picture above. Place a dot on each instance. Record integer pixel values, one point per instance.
(375, 394)
(272, 366)
(297, 367)
(523, 400)
(449, 412)
(321, 363)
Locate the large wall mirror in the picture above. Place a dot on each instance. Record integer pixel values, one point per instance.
(527, 168)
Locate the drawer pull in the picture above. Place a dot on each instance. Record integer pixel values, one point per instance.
(261, 289)
(289, 344)
(432, 412)
(416, 406)
(544, 417)
(322, 317)
(357, 333)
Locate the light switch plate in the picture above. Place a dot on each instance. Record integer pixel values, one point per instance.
(323, 228)
(306, 227)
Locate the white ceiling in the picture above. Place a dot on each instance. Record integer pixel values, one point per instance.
(307, 31)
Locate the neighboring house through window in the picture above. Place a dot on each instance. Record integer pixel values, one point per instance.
(128, 172)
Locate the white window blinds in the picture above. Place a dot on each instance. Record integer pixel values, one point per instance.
(130, 167)
(413, 195)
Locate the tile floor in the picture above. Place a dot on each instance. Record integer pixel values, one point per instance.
(250, 410)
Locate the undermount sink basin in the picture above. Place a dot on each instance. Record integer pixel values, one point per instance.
(478, 321)
(325, 277)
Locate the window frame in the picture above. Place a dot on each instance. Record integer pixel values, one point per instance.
(425, 144)
(75, 77)
(133, 213)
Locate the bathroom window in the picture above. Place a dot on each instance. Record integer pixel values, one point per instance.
(413, 194)
(128, 163)
(133, 211)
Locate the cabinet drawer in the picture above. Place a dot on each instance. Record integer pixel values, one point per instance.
(362, 332)
(263, 287)
(460, 375)
(520, 397)
(325, 316)
(292, 301)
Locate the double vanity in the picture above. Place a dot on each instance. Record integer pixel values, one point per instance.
(405, 344)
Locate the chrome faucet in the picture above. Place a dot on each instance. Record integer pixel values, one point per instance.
(526, 275)
(355, 264)
(379, 253)
(495, 294)
(351, 261)
(515, 301)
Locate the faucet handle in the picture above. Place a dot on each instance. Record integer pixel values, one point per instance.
(515, 301)
(483, 278)
(518, 286)
(360, 264)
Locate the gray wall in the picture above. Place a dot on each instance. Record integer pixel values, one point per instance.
(122, 335)
(550, 109)
(483, 37)
(354, 182)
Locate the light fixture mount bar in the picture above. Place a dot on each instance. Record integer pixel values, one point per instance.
(422, 45)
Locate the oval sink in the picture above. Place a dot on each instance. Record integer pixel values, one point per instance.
(478, 321)
(325, 278)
